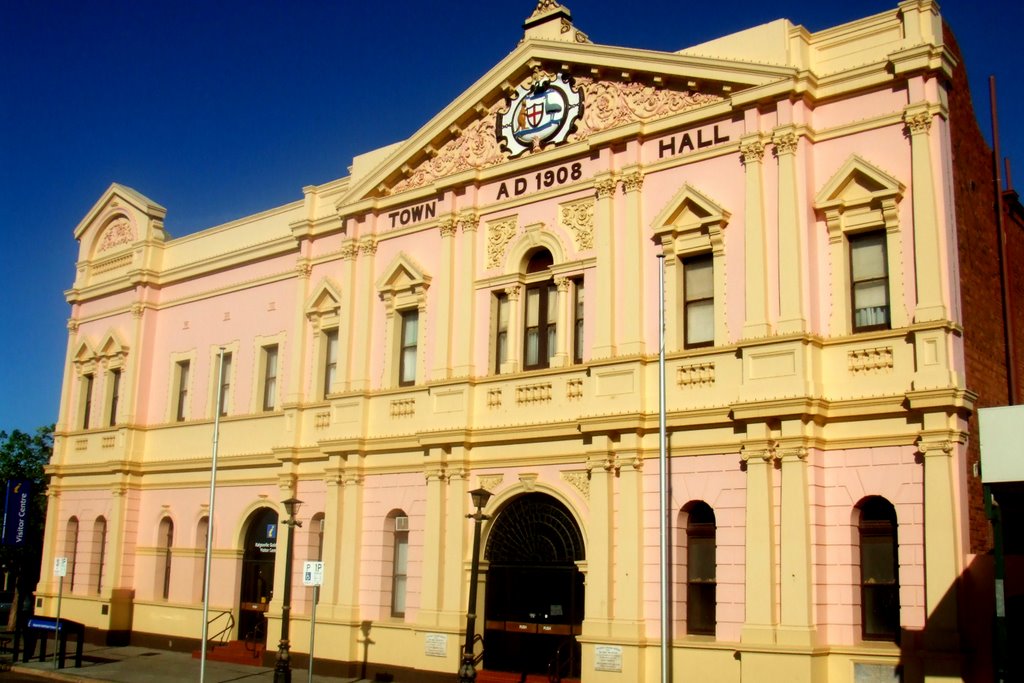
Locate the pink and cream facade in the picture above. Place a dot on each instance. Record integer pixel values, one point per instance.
(477, 306)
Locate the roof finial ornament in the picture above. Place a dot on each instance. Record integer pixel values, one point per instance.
(552, 20)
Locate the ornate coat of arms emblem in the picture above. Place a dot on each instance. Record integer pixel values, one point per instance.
(542, 111)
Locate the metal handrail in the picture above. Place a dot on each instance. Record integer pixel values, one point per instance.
(480, 657)
(223, 634)
(559, 664)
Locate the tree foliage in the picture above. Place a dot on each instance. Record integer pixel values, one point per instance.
(24, 456)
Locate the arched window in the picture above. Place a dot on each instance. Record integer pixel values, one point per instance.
(165, 540)
(540, 312)
(99, 550)
(700, 569)
(71, 551)
(879, 570)
(396, 559)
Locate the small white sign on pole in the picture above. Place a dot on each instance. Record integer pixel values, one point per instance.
(313, 574)
(60, 567)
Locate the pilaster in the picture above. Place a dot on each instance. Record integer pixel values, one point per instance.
(632, 323)
(604, 269)
(562, 355)
(347, 606)
(598, 596)
(456, 507)
(332, 535)
(755, 319)
(759, 622)
(433, 539)
(442, 313)
(629, 546)
(928, 260)
(791, 234)
(797, 620)
(462, 346)
(363, 312)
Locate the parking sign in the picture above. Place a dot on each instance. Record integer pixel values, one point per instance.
(313, 574)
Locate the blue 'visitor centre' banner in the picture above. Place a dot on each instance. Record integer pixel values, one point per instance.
(17, 507)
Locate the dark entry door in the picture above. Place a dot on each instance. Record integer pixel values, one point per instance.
(534, 591)
(257, 575)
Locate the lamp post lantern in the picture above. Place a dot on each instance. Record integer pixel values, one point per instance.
(283, 668)
(467, 669)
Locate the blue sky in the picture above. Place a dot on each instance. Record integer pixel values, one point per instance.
(217, 110)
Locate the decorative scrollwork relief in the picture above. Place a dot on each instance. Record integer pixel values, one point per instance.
(578, 218)
(119, 231)
(580, 480)
(499, 234)
(614, 103)
(475, 147)
(490, 481)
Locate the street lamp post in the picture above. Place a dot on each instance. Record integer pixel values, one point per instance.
(467, 670)
(283, 668)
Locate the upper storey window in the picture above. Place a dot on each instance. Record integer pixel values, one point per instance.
(869, 281)
(541, 310)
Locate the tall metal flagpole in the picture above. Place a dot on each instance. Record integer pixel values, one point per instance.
(209, 519)
(663, 501)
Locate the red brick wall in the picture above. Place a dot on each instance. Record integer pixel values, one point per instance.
(980, 284)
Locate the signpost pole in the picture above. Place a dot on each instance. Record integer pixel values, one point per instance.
(313, 575)
(56, 633)
(312, 630)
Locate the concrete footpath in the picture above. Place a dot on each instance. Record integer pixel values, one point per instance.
(146, 665)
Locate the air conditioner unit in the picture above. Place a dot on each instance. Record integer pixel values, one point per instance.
(401, 523)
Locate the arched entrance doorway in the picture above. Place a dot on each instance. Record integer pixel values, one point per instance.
(533, 604)
(257, 584)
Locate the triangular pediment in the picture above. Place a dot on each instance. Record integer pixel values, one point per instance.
(325, 299)
(857, 183)
(84, 353)
(403, 275)
(618, 87)
(111, 346)
(689, 209)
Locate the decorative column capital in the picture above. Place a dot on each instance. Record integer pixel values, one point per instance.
(303, 269)
(562, 283)
(447, 227)
(785, 143)
(632, 182)
(605, 187)
(349, 251)
(512, 292)
(467, 221)
(368, 246)
(72, 325)
(752, 149)
(918, 120)
(760, 452)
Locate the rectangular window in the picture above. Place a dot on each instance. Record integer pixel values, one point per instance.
(399, 577)
(699, 301)
(330, 360)
(269, 377)
(869, 281)
(577, 322)
(181, 370)
(225, 384)
(500, 330)
(540, 328)
(86, 400)
(407, 352)
(115, 394)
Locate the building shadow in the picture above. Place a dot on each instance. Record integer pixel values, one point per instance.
(366, 642)
(958, 640)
